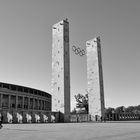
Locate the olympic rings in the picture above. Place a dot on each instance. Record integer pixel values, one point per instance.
(78, 51)
(73, 48)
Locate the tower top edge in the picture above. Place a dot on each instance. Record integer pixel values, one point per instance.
(94, 39)
(61, 22)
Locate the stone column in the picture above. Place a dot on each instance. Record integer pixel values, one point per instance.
(28, 103)
(45, 105)
(9, 101)
(16, 102)
(37, 104)
(22, 102)
(41, 104)
(33, 103)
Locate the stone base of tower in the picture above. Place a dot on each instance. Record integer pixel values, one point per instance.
(95, 117)
(61, 117)
(66, 118)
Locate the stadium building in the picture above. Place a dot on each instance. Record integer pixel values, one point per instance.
(23, 104)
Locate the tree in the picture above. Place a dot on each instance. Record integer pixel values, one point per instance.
(133, 109)
(137, 109)
(130, 109)
(109, 110)
(82, 102)
(120, 109)
(73, 111)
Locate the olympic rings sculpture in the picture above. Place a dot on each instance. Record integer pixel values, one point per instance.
(78, 51)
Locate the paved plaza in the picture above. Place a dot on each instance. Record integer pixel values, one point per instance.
(72, 131)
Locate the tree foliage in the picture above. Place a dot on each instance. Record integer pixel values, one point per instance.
(122, 109)
(73, 111)
(109, 110)
(129, 109)
(82, 102)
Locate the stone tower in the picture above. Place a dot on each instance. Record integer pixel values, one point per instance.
(61, 69)
(95, 79)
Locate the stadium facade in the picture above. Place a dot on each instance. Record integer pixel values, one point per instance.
(24, 104)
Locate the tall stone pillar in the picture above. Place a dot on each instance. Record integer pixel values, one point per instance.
(95, 79)
(61, 69)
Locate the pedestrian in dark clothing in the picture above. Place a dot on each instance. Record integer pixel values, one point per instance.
(101, 118)
(1, 121)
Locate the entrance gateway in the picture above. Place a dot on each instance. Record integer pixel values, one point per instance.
(60, 86)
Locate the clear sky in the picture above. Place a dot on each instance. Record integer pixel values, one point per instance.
(26, 42)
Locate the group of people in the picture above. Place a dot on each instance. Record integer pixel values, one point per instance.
(1, 120)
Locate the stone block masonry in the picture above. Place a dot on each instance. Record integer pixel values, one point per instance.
(61, 69)
(95, 79)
